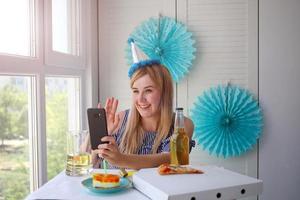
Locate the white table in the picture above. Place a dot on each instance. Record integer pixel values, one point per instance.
(66, 187)
(215, 181)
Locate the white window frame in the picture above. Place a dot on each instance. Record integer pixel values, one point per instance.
(47, 63)
(54, 58)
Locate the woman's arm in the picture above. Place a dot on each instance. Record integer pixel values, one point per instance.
(134, 161)
(111, 153)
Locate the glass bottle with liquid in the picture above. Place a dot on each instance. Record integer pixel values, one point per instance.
(179, 147)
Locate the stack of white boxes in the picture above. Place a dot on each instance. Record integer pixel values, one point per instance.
(216, 183)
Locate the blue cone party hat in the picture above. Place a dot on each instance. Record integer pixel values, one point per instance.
(140, 59)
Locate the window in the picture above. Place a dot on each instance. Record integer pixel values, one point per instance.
(65, 33)
(16, 35)
(62, 114)
(44, 96)
(15, 119)
(65, 26)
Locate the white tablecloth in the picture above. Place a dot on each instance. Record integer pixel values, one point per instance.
(213, 183)
(66, 187)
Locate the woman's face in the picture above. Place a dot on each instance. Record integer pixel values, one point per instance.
(146, 96)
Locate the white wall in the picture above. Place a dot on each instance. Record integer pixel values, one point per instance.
(226, 35)
(279, 94)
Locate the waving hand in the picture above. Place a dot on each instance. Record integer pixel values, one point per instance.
(113, 119)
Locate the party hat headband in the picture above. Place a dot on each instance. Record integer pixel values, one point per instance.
(139, 58)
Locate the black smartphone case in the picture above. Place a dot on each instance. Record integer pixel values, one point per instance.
(97, 126)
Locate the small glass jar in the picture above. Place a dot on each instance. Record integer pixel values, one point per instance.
(78, 160)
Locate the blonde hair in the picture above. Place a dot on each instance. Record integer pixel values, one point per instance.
(134, 134)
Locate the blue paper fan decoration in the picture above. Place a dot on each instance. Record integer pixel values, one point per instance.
(228, 120)
(166, 40)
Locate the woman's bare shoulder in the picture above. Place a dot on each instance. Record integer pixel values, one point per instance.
(189, 126)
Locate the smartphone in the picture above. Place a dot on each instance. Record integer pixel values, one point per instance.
(97, 126)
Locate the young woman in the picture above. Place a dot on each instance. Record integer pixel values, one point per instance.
(140, 137)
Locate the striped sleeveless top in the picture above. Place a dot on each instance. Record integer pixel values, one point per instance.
(148, 140)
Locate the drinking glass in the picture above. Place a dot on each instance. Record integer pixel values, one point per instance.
(78, 159)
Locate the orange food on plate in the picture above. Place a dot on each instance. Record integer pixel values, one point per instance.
(167, 169)
(105, 180)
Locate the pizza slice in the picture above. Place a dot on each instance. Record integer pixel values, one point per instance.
(167, 169)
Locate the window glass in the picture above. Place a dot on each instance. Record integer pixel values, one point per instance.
(65, 26)
(14, 137)
(62, 114)
(16, 24)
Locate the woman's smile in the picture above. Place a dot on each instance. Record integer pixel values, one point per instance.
(144, 106)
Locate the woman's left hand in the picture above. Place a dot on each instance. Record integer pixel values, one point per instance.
(112, 117)
(110, 151)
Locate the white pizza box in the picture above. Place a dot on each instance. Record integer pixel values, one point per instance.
(215, 184)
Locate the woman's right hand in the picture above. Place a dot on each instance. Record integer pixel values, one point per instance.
(112, 118)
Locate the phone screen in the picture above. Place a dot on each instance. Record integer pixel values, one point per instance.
(97, 126)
